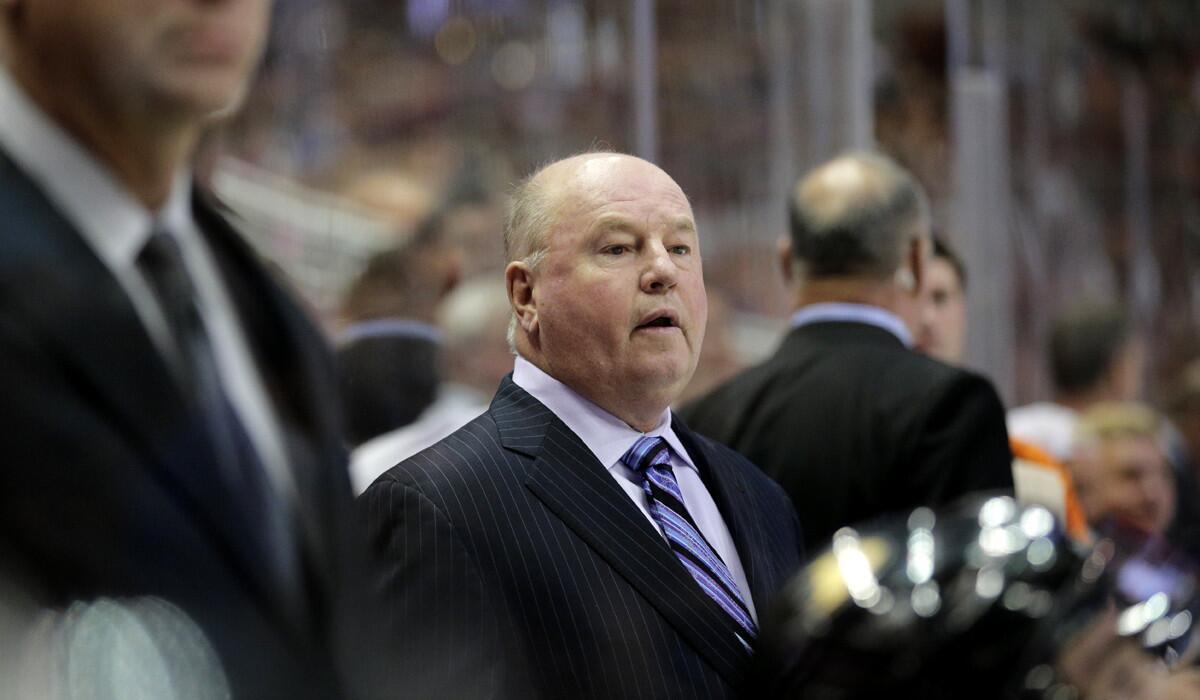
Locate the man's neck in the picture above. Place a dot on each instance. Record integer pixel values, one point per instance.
(846, 290)
(857, 290)
(1080, 401)
(145, 155)
(642, 416)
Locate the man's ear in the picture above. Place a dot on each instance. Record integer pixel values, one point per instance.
(787, 266)
(520, 281)
(918, 253)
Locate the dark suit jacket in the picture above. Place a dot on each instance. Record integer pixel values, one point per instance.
(517, 567)
(385, 383)
(852, 424)
(108, 487)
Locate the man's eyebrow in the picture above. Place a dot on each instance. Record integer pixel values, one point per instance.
(612, 223)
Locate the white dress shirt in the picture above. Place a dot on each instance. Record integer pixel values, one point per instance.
(854, 313)
(609, 438)
(116, 226)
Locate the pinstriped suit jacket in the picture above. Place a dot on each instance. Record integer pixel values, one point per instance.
(515, 566)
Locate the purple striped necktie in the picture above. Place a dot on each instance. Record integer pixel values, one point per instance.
(650, 457)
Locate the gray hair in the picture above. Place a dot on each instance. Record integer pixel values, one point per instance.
(531, 213)
(856, 215)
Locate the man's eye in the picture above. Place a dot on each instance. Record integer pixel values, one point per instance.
(680, 249)
(617, 249)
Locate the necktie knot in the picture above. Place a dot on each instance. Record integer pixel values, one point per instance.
(648, 451)
(161, 260)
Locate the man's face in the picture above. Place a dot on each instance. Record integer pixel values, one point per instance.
(943, 314)
(1128, 478)
(620, 295)
(189, 57)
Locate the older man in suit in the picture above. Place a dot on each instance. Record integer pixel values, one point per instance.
(577, 540)
(173, 466)
(845, 415)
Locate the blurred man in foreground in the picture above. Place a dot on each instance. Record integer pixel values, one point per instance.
(846, 416)
(577, 540)
(168, 426)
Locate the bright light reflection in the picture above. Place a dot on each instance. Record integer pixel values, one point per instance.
(855, 568)
(1041, 553)
(1037, 522)
(1002, 541)
(926, 600)
(989, 582)
(920, 556)
(1180, 624)
(996, 512)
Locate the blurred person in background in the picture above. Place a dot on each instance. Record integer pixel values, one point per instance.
(943, 325)
(168, 425)
(846, 416)
(564, 544)
(475, 356)
(387, 355)
(1038, 478)
(388, 343)
(1183, 409)
(1121, 467)
(1094, 356)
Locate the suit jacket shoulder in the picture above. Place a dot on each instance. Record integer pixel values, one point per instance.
(853, 424)
(121, 502)
(510, 530)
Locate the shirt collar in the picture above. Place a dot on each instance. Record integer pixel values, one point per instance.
(855, 313)
(105, 213)
(607, 436)
(390, 328)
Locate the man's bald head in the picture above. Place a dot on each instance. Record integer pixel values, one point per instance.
(856, 215)
(538, 200)
(606, 282)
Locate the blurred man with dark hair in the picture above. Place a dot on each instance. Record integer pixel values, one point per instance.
(1094, 356)
(170, 439)
(846, 416)
(1037, 476)
(943, 325)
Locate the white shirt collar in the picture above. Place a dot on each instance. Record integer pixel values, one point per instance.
(607, 436)
(855, 313)
(107, 215)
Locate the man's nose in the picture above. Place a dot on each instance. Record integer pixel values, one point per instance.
(661, 271)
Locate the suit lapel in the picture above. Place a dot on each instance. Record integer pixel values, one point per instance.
(83, 318)
(283, 348)
(729, 490)
(574, 486)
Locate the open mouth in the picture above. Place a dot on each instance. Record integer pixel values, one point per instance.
(660, 319)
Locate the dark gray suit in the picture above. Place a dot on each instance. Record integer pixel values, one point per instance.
(517, 567)
(109, 485)
(853, 425)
